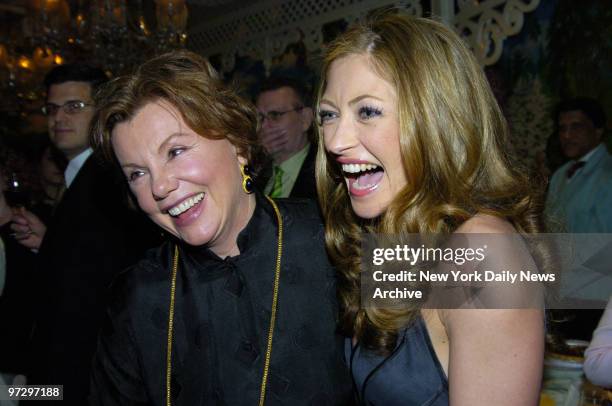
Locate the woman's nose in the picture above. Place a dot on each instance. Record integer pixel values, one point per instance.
(162, 184)
(339, 137)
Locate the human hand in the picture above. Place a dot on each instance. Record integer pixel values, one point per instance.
(6, 213)
(28, 229)
(274, 140)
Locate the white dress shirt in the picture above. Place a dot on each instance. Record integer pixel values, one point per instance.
(74, 166)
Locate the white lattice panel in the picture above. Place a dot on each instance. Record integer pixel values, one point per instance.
(265, 28)
(486, 24)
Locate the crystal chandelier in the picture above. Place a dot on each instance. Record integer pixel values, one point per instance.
(120, 37)
(113, 34)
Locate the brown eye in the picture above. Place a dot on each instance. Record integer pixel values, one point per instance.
(75, 106)
(132, 176)
(275, 115)
(174, 152)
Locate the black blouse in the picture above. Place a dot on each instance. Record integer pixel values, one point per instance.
(222, 315)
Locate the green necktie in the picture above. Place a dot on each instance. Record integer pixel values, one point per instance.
(277, 187)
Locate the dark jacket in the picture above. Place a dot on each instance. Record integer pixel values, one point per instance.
(305, 186)
(91, 237)
(16, 307)
(221, 321)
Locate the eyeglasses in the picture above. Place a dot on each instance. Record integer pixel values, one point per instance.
(70, 107)
(274, 116)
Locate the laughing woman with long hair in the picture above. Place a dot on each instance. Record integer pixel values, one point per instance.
(413, 141)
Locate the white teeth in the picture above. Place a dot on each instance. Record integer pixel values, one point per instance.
(356, 168)
(357, 186)
(186, 204)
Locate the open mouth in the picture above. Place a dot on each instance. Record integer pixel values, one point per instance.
(362, 178)
(186, 205)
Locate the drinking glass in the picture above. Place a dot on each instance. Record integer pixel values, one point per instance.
(16, 193)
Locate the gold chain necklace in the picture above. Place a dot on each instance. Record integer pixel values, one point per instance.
(266, 370)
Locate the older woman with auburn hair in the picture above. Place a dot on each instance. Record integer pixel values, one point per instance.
(238, 307)
(412, 141)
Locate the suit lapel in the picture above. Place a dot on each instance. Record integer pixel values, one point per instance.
(305, 184)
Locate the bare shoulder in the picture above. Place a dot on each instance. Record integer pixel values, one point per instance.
(486, 224)
(495, 356)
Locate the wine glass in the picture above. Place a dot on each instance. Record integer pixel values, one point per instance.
(16, 193)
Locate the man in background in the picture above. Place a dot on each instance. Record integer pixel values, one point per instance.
(285, 119)
(91, 236)
(579, 198)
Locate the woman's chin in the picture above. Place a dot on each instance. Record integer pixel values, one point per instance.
(367, 210)
(194, 236)
(194, 240)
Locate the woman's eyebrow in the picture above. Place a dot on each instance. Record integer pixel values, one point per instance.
(363, 96)
(168, 139)
(352, 101)
(328, 102)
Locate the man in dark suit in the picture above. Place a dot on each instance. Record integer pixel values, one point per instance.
(90, 238)
(285, 121)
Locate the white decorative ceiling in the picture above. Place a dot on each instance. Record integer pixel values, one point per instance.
(262, 29)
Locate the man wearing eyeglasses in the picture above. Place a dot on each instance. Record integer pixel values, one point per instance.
(285, 119)
(69, 110)
(91, 237)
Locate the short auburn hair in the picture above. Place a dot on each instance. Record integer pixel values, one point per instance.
(189, 83)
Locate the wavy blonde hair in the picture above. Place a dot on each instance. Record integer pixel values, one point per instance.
(453, 140)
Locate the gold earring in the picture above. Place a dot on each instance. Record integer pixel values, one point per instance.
(247, 181)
